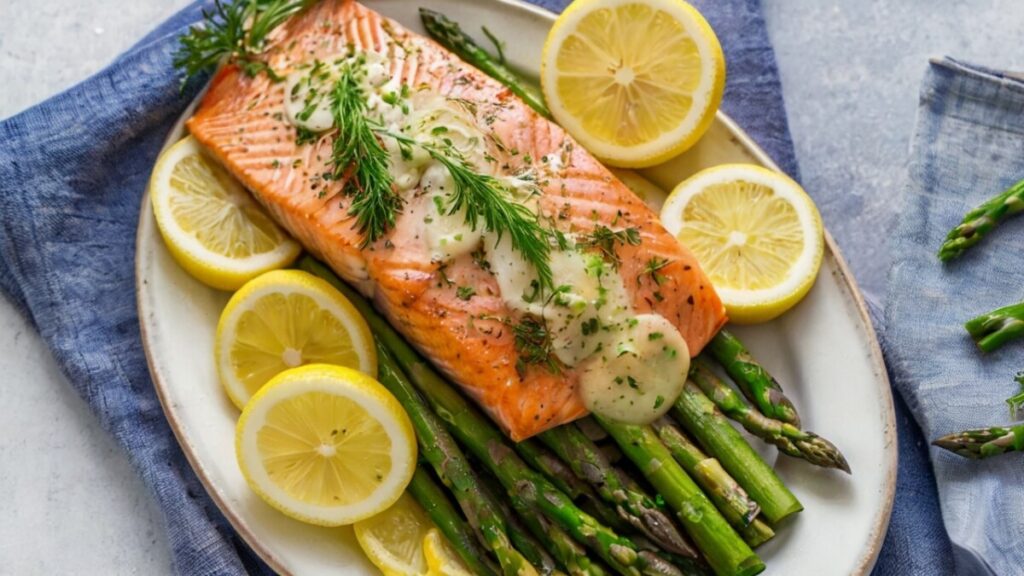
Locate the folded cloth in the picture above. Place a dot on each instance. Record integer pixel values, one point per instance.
(968, 146)
(72, 172)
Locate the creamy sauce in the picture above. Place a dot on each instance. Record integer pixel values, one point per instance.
(632, 367)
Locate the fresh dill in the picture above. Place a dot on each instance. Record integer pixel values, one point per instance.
(488, 201)
(604, 239)
(534, 345)
(465, 292)
(236, 31)
(652, 267)
(360, 160)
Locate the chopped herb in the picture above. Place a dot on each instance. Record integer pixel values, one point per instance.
(659, 401)
(652, 267)
(465, 292)
(534, 345)
(655, 336)
(304, 136)
(605, 239)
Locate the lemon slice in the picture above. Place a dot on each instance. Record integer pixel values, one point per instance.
(393, 540)
(756, 233)
(284, 319)
(212, 226)
(635, 82)
(326, 445)
(441, 557)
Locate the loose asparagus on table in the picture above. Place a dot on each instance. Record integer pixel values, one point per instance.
(756, 383)
(488, 444)
(993, 330)
(460, 535)
(984, 442)
(980, 221)
(788, 438)
(1017, 400)
(439, 448)
(709, 427)
(727, 495)
(721, 546)
(451, 36)
(635, 506)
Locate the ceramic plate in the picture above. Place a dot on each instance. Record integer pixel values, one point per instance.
(823, 351)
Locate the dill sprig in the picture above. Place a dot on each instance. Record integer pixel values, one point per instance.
(360, 160)
(533, 343)
(1017, 402)
(604, 239)
(236, 31)
(652, 267)
(488, 199)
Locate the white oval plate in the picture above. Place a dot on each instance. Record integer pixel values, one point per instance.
(824, 352)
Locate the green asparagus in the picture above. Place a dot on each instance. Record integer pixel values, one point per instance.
(521, 536)
(1017, 400)
(451, 36)
(569, 554)
(710, 428)
(439, 448)
(756, 383)
(984, 442)
(788, 438)
(993, 330)
(724, 550)
(980, 221)
(727, 495)
(636, 507)
(488, 444)
(558, 473)
(426, 491)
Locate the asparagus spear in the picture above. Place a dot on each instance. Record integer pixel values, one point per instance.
(520, 535)
(558, 473)
(439, 448)
(699, 416)
(451, 36)
(569, 554)
(980, 221)
(721, 546)
(1017, 401)
(488, 444)
(638, 509)
(727, 495)
(788, 438)
(993, 330)
(755, 382)
(426, 491)
(984, 442)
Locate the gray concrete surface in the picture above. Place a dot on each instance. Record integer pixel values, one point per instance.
(70, 503)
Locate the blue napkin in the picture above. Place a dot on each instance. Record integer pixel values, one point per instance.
(72, 173)
(968, 145)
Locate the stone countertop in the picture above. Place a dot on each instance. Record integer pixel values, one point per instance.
(850, 71)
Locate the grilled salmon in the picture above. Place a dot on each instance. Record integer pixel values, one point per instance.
(239, 121)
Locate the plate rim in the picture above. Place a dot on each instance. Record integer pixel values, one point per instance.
(881, 522)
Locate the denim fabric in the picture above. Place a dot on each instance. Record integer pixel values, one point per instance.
(72, 171)
(968, 145)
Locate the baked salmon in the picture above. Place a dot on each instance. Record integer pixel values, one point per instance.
(239, 121)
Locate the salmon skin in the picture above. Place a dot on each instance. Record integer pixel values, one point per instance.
(240, 122)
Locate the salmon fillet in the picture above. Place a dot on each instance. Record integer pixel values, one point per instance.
(240, 122)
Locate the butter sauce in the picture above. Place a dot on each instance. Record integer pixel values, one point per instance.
(632, 367)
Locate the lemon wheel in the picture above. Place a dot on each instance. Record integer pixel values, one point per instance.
(214, 229)
(635, 82)
(284, 319)
(756, 233)
(394, 539)
(326, 445)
